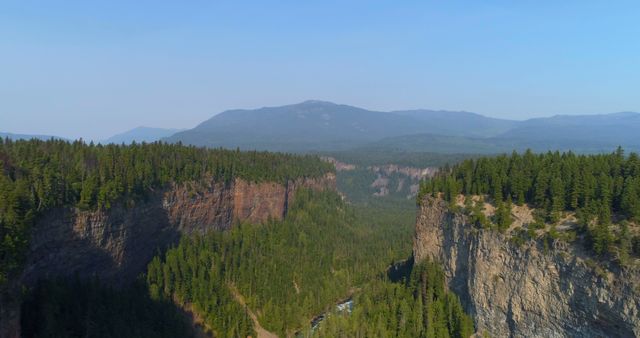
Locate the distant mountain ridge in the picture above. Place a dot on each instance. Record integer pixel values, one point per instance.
(28, 136)
(321, 126)
(141, 134)
(325, 126)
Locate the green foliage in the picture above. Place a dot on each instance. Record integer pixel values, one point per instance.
(551, 181)
(624, 243)
(601, 238)
(502, 216)
(477, 216)
(596, 187)
(39, 175)
(89, 309)
(419, 307)
(356, 184)
(288, 271)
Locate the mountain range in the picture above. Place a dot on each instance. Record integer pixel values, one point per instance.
(27, 136)
(324, 126)
(141, 134)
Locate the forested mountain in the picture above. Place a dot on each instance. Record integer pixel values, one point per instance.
(578, 133)
(28, 136)
(40, 175)
(601, 191)
(538, 244)
(454, 123)
(141, 134)
(325, 126)
(318, 125)
(438, 144)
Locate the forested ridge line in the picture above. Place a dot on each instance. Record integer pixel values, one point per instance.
(600, 192)
(551, 181)
(38, 175)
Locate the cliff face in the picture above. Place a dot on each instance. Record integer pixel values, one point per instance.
(117, 244)
(526, 291)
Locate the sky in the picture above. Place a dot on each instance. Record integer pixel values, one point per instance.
(95, 68)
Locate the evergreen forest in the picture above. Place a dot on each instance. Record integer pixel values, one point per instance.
(39, 175)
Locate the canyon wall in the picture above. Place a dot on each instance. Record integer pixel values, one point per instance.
(117, 244)
(527, 290)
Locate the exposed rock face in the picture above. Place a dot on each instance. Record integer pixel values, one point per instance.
(526, 291)
(117, 244)
(411, 172)
(340, 166)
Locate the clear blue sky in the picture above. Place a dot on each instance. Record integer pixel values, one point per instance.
(94, 68)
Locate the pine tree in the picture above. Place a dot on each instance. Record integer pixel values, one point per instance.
(624, 243)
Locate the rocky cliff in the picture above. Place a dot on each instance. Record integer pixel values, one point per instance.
(116, 245)
(527, 290)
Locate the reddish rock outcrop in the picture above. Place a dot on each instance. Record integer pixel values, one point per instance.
(116, 245)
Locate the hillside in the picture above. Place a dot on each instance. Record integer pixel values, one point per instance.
(72, 209)
(538, 244)
(318, 125)
(456, 123)
(141, 134)
(13, 136)
(325, 126)
(579, 133)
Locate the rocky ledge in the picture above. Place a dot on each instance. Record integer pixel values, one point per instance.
(527, 290)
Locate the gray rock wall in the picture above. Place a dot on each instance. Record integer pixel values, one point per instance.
(526, 291)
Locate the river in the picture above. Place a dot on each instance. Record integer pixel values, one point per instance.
(341, 307)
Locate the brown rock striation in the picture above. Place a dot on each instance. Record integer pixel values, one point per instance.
(116, 245)
(526, 291)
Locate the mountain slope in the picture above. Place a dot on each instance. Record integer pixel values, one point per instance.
(582, 133)
(28, 136)
(325, 126)
(141, 134)
(579, 133)
(438, 144)
(461, 123)
(318, 125)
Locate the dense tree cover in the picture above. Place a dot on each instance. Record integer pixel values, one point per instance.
(90, 309)
(39, 175)
(195, 275)
(598, 188)
(421, 306)
(288, 271)
(598, 184)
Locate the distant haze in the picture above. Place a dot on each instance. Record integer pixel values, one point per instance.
(94, 69)
(313, 126)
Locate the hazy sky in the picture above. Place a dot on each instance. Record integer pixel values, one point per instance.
(94, 68)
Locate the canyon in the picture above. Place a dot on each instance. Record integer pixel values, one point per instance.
(527, 290)
(116, 244)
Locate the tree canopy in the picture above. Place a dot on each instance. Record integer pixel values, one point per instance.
(39, 175)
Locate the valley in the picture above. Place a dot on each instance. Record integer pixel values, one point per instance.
(262, 244)
(319, 169)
